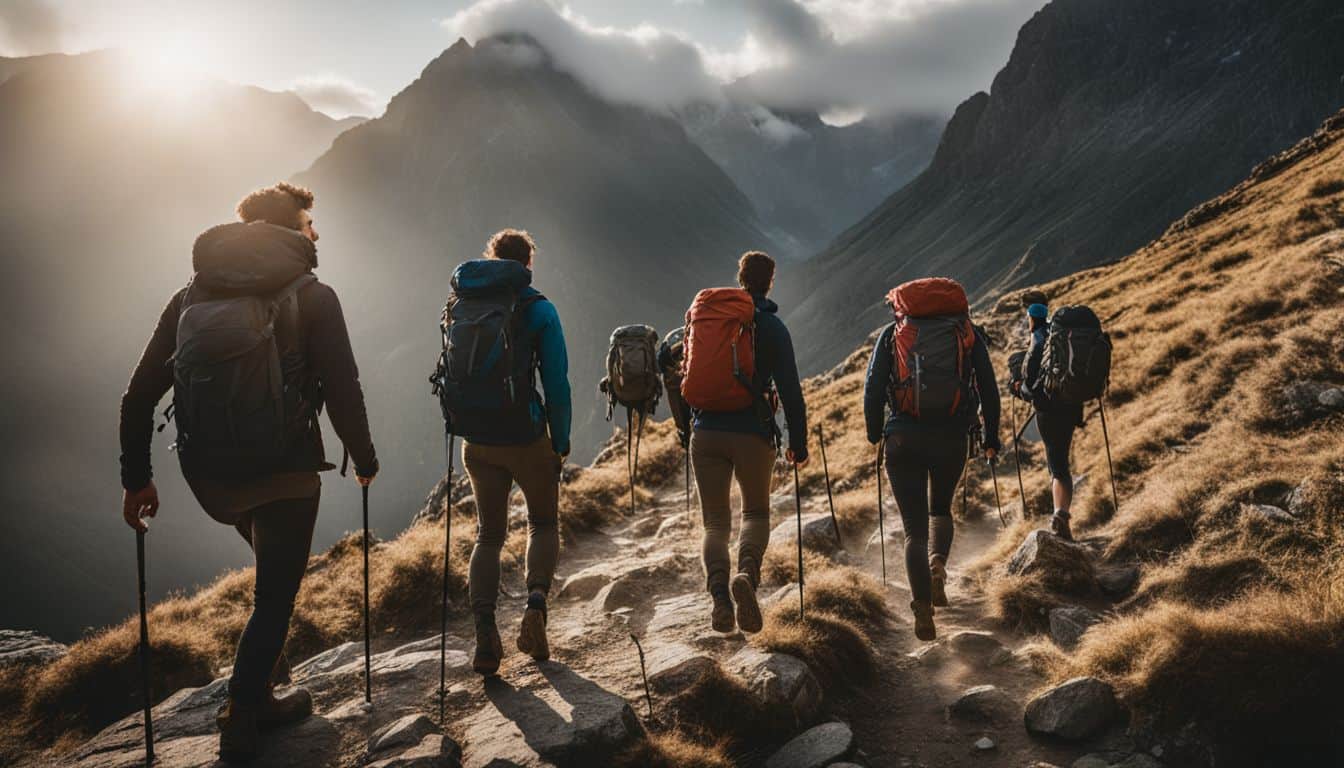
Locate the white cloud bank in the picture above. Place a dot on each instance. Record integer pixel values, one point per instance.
(337, 96)
(839, 57)
(29, 27)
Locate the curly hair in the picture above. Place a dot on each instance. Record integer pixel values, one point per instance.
(278, 205)
(755, 270)
(513, 244)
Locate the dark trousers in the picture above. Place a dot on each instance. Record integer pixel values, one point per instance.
(281, 535)
(924, 467)
(1056, 427)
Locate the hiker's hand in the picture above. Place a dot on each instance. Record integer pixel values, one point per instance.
(365, 481)
(991, 454)
(794, 460)
(137, 505)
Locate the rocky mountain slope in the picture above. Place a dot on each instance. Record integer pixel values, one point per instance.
(105, 181)
(1109, 120)
(1220, 573)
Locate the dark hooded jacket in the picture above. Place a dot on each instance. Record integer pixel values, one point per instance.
(256, 259)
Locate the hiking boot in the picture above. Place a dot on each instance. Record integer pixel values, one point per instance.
(239, 737)
(924, 629)
(721, 617)
(532, 632)
(489, 648)
(748, 610)
(938, 580)
(1059, 525)
(293, 706)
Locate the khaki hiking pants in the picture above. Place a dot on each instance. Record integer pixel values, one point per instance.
(717, 458)
(493, 470)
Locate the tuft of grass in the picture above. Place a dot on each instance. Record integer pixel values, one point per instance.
(836, 649)
(718, 709)
(780, 565)
(849, 594)
(672, 750)
(1022, 602)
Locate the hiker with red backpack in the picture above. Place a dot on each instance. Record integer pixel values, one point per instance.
(931, 370)
(736, 349)
(1067, 364)
(253, 348)
(499, 333)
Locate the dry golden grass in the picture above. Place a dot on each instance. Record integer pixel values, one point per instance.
(671, 750)
(837, 650)
(849, 594)
(718, 709)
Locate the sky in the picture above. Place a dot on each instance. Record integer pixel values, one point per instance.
(843, 58)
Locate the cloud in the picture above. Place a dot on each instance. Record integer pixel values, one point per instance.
(644, 65)
(29, 27)
(337, 96)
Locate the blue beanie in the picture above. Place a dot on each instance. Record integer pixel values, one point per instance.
(1038, 311)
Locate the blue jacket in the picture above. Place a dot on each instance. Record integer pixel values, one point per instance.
(875, 395)
(774, 363)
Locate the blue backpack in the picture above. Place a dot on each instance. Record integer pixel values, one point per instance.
(484, 376)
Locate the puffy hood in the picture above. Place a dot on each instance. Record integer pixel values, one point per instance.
(480, 276)
(246, 259)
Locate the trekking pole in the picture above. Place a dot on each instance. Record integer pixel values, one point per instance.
(798, 508)
(998, 502)
(368, 664)
(1110, 468)
(1017, 463)
(144, 647)
(648, 697)
(881, 527)
(443, 619)
(965, 502)
(629, 454)
(830, 500)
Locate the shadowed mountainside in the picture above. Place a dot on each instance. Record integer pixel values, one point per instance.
(1109, 120)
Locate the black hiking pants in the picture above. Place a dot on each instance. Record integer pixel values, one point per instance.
(281, 535)
(1056, 426)
(924, 466)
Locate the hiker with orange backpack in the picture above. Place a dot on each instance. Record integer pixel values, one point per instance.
(735, 350)
(931, 368)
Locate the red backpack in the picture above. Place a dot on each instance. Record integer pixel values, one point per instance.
(931, 347)
(720, 351)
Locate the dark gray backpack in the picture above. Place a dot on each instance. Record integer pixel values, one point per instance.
(633, 378)
(1076, 364)
(237, 382)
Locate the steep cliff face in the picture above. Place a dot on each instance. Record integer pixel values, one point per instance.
(1109, 120)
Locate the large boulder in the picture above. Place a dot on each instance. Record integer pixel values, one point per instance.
(1072, 710)
(673, 666)
(1069, 623)
(1057, 563)
(983, 702)
(818, 533)
(639, 585)
(780, 681)
(816, 747)
(401, 733)
(566, 719)
(584, 584)
(21, 647)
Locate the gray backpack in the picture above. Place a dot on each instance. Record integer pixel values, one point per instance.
(237, 382)
(633, 378)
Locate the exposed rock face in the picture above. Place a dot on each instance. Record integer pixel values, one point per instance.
(1072, 710)
(781, 681)
(1067, 624)
(1061, 565)
(1109, 120)
(816, 747)
(19, 647)
(673, 666)
(818, 533)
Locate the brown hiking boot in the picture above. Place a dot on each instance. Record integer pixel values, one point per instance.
(938, 580)
(1059, 525)
(532, 633)
(489, 648)
(924, 629)
(293, 706)
(748, 610)
(721, 617)
(239, 737)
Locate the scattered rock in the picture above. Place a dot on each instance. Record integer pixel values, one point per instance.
(984, 744)
(1332, 398)
(566, 720)
(637, 586)
(354, 709)
(644, 527)
(682, 616)
(814, 748)
(433, 751)
(975, 646)
(1302, 402)
(1060, 564)
(779, 680)
(673, 667)
(328, 660)
(1068, 624)
(673, 524)
(1117, 580)
(1072, 710)
(22, 647)
(586, 583)
(402, 733)
(818, 532)
(1268, 512)
(983, 702)
(1091, 761)
(1139, 760)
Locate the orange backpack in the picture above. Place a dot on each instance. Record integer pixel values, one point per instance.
(720, 351)
(931, 347)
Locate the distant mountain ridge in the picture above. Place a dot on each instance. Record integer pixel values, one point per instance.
(1110, 119)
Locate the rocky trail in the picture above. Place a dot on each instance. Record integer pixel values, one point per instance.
(959, 700)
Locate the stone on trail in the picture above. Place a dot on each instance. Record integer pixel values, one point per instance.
(401, 733)
(673, 667)
(1139, 760)
(818, 532)
(974, 645)
(673, 524)
(984, 744)
(1332, 398)
(639, 585)
(565, 720)
(983, 702)
(1069, 623)
(433, 751)
(1091, 761)
(21, 647)
(1117, 580)
(1267, 512)
(584, 584)
(1072, 710)
(328, 660)
(779, 681)
(1060, 564)
(816, 747)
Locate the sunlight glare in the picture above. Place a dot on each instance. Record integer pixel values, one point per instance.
(171, 68)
